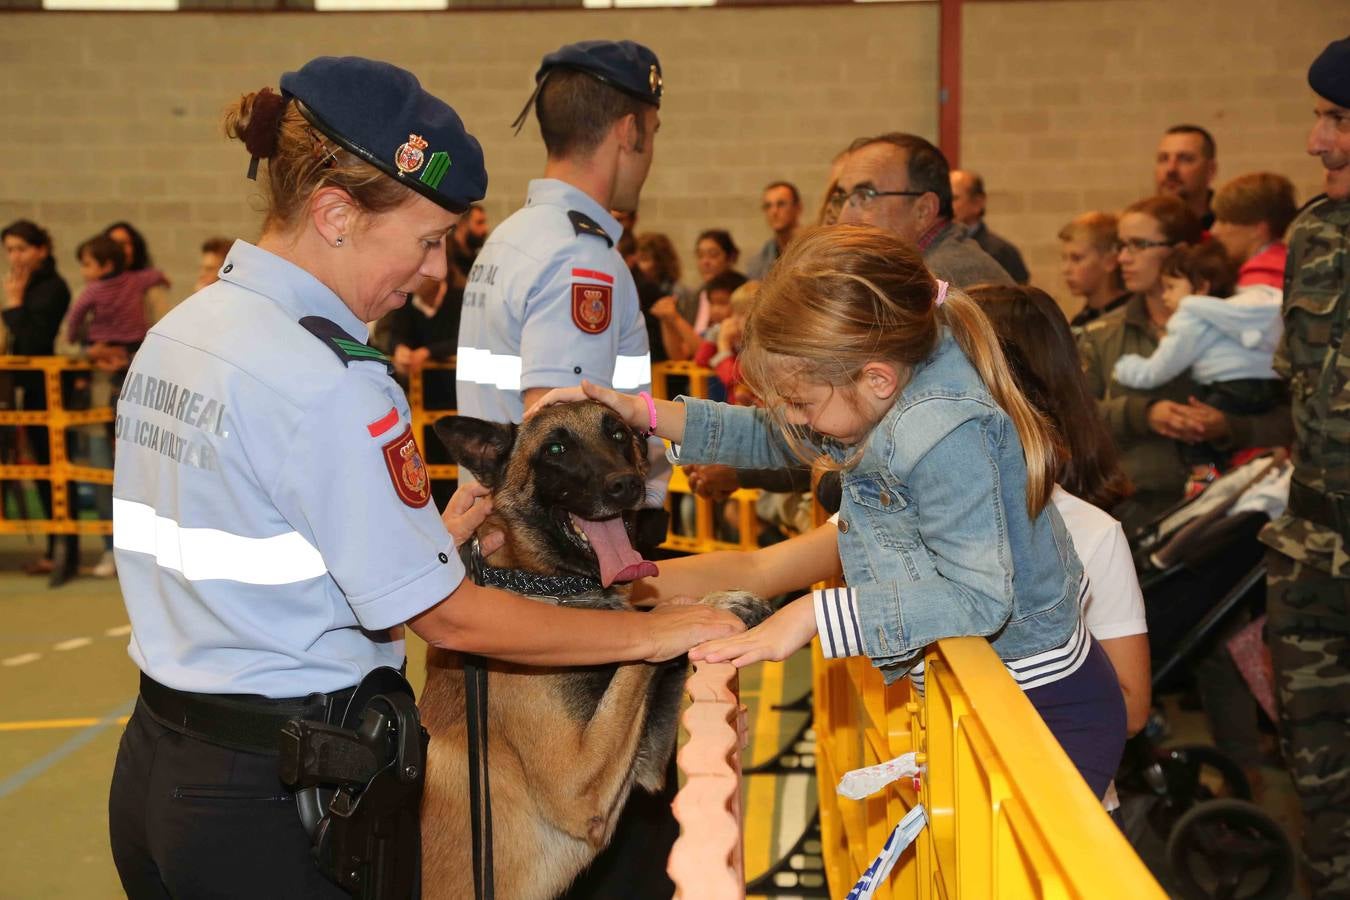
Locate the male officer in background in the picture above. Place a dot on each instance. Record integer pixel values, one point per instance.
(1308, 565)
(550, 301)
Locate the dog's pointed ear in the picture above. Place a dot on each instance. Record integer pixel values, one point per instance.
(479, 446)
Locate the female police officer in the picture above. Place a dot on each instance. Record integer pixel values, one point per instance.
(271, 515)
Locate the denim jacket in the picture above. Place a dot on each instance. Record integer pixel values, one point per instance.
(933, 530)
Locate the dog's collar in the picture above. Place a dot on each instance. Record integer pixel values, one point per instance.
(518, 581)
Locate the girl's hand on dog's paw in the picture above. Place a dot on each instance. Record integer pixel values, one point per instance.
(777, 638)
(677, 627)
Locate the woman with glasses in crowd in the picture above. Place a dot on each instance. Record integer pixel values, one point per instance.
(1147, 424)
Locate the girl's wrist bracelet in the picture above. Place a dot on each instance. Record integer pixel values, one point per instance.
(651, 414)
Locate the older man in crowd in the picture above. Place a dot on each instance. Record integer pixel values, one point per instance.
(969, 203)
(1185, 166)
(782, 206)
(902, 183)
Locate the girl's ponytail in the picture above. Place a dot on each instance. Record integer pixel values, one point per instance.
(973, 332)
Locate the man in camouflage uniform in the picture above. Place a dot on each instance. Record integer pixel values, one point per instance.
(1308, 594)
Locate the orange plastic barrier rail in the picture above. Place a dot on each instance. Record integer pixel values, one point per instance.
(59, 470)
(706, 862)
(1008, 814)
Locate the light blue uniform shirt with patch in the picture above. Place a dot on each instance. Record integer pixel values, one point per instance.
(261, 543)
(519, 330)
(521, 326)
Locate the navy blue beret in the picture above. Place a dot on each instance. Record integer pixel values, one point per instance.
(1329, 75)
(381, 114)
(626, 65)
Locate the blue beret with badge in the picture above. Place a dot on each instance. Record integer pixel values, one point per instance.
(626, 65)
(381, 114)
(1329, 75)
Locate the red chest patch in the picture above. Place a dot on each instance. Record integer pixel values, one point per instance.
(407, 471)
(591, 304)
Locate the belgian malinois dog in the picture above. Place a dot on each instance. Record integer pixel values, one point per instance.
(565, 745)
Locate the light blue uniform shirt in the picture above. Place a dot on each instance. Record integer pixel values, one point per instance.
(534, 307)
(261, 542)
(550, 301)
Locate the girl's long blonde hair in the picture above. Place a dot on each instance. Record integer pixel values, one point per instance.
(843, 296)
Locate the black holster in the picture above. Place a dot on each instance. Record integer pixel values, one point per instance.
(358, 786)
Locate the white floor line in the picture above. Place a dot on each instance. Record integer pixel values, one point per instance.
(73, 643)
(119, 631)
(20, 659)
(792, 815)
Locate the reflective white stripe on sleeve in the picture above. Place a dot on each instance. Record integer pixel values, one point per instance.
(485, 367)
(631, 372)
(203, 554)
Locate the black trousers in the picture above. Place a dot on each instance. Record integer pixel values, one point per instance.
(190, 819)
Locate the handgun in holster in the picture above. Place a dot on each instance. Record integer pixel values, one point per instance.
(358, 787)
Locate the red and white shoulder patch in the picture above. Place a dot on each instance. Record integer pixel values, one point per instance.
(407, 471)
(592, 303)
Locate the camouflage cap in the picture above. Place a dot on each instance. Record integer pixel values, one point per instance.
(1329, 75)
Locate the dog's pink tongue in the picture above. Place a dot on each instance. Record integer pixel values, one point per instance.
(618, 560)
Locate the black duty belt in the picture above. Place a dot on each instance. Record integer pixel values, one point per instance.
(238, 721)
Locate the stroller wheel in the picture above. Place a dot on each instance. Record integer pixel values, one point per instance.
(1196, 773)
(1192, 774)
(1230, 850)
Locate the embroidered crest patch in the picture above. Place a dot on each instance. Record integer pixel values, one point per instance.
(591, 306)
(407, 471)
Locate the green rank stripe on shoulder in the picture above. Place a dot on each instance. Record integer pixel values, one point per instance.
(436, 168)
(343, 345)
(357, 350)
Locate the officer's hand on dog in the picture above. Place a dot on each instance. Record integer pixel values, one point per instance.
(469, 506)
(675, 627)
(776, 638)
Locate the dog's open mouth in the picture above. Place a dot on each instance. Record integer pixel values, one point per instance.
(607, 540)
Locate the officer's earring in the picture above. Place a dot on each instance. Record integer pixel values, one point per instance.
(337, 242)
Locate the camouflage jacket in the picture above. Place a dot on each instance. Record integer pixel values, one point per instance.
(1316, 316)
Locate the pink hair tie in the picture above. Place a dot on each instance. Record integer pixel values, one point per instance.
(941, 294)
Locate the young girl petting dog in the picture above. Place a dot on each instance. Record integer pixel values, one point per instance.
(946, 529)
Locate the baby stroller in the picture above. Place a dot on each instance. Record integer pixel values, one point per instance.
(1187, 810)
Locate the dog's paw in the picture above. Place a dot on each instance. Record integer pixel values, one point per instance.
(744, 605)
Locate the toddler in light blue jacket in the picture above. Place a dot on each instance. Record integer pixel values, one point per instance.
(1227, 340)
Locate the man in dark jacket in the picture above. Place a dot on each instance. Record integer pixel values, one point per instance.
(968, 207)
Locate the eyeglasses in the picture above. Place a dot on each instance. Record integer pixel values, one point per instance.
(864, 195)
(1138, 245)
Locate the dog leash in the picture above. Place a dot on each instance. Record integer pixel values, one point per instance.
(476, 717)
(480, 792)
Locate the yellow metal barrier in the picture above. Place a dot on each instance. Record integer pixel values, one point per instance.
(1008, 814)
(59, 470)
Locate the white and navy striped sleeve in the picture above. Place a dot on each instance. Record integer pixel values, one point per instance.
(837, 622)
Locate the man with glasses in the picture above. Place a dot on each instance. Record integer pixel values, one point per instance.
(902, 183)
(782, 208)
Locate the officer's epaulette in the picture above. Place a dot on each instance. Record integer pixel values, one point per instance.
(347, 348)
(584, 224)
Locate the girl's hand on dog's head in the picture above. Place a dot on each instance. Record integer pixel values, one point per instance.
(633, 410)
